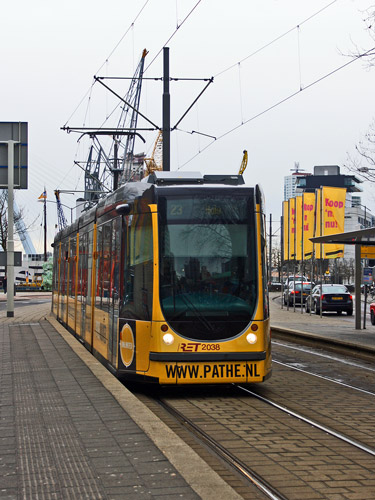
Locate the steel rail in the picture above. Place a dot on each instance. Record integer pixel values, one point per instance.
(321, 427)
(334, 358)
(224, 454)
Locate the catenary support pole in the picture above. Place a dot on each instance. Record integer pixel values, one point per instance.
(166, 113)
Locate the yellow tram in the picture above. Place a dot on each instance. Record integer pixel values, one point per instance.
(165, 281)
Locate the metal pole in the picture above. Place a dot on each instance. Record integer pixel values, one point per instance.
(357, 286)
(302, 248)
(10, 244)
(282, 243)
(365, 306)
(270, 253)
(115, 165)
(166, 113)
(45, 228)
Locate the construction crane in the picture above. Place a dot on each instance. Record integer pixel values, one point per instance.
(243, 163)
(133, 97)
(155, 162)
(62, 222)
(105, 171)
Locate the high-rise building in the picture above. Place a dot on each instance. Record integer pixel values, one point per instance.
(327, 175)
(356, 215)
(290, 182)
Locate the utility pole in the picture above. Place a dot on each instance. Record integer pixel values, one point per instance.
(10, 245)
(166, 113)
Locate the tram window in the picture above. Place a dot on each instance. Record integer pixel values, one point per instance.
(106, 265)
(64, 264)
(72, 266)
(81, 250)
(99, 266)
(264, 266)
(82, 266)
(56, 252)
(89, 257)
(115, 261)
(208, 264)
(138, 277)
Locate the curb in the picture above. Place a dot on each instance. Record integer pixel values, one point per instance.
(196, 472)
(323, 340)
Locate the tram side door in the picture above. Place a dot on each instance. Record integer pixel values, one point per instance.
(115, 290)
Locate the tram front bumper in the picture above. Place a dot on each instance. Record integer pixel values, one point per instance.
(208, 372)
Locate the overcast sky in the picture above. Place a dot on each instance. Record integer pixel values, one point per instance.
(51, 50)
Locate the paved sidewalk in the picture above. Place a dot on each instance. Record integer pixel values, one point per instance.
(339, 329)
(70, 430)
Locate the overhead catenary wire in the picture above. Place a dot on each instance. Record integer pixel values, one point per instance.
(275, 39)
(107, 58)
(173, 34)
(273, 106)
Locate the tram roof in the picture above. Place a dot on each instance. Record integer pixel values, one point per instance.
(160, 177)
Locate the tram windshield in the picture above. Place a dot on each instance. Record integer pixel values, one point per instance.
(208, 264)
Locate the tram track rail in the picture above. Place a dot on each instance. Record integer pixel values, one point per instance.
(317, 353)
(244, 470)
(324, 428)
(315, 436)
(243, 453)
(329, 379)
(314, 352)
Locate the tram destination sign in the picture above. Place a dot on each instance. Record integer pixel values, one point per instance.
(14, 131)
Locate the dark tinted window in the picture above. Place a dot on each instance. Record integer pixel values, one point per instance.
(208, 278)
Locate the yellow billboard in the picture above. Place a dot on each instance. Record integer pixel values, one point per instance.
(367, 252)
(292, 228)
(299, 227)
(308, 208)
(318, 222)
(333, 215)
(286, 229)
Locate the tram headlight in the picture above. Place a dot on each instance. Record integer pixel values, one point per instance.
(168, 339)
(251, 338)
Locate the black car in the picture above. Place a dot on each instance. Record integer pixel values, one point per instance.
(334, 298)
(297, 292)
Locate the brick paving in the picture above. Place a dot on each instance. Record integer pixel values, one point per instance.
(297, 459)
(69, 429)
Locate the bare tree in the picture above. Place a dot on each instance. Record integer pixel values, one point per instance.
(276, 261)
(366, 53)
(363, 163)
(3, 220)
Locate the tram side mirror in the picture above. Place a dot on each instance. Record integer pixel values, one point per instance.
(124, 209)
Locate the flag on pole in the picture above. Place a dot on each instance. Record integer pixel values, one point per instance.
(43, 196)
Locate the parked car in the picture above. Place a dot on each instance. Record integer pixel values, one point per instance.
(291, 279)
(334, 298)
(372, 313)
(297, 292)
